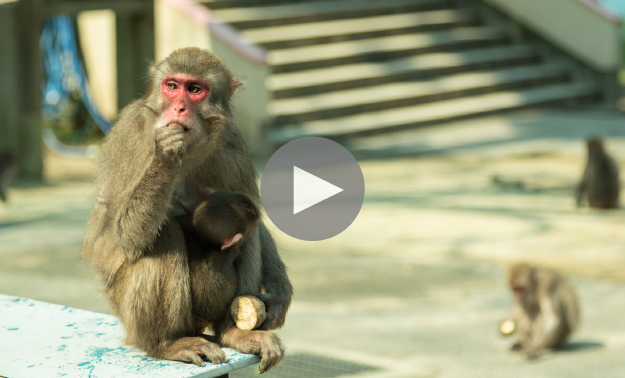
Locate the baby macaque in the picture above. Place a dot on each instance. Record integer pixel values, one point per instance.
(546, 313)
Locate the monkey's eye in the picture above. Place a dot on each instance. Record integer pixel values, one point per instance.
(195, 89)
(172, 86)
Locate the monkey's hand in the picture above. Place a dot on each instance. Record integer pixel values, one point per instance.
(189, 349)
(276, 310)
(264, 344)
(171, 143)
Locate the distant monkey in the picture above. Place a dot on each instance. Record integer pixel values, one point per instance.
(7, 166)
(547, 310)
(600, 182)
(165, 149)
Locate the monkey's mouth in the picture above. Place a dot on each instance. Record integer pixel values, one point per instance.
(179, 125)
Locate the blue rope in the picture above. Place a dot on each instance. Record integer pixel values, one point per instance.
(63, 68)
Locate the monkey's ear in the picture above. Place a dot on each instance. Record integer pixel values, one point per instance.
(234, 84)
(231, 241)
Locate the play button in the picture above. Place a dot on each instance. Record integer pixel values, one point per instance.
(309, 190)
(312, 188)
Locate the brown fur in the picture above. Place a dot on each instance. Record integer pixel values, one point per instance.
(148, 175)
(600, 182)
(547, 310)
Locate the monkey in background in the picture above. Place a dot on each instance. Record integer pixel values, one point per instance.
(600, 182)
(154, 166)
(7, 166)
(546, 310)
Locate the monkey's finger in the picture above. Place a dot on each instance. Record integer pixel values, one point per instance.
(164, 131)
(172, 140)
(191, 356)
(268, 323)
(213, 353)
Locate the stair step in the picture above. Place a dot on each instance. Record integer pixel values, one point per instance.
(225, 4)
(342, 103)
(366, 74)
(369, 27)
(264, 16)
(421, 115)
(317, 56)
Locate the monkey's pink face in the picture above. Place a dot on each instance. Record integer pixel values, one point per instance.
(182, 95)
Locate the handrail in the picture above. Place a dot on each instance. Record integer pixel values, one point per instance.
(202, 16)
(598, 8)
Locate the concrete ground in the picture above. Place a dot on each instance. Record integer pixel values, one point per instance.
(415, 285)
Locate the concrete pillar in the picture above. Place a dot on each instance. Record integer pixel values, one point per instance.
(135, 52)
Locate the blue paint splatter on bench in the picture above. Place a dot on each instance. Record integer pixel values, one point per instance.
(71, 342)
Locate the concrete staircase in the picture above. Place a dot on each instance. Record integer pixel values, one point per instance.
(356, 67)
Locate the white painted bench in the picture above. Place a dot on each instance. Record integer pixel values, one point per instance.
(39, 339)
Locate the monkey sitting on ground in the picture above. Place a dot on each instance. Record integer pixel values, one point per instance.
(154, 166)
(7, 165)
(547, 310)
(600, 182)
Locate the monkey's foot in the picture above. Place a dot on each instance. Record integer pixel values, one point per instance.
(516, 347)
(265, 344)
(189, 349)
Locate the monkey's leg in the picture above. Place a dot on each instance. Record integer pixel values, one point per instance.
(263, 343)
(152, 299)
(275, 280)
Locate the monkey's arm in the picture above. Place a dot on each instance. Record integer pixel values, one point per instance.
(140, 180)
(276, 282)
(143, 209)
(547, 334)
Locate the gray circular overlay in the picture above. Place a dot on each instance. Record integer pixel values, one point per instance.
(312, 188)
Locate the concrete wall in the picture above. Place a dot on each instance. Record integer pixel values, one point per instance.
(251, 100)
(580, 27)
(173, 30)
(97, 41)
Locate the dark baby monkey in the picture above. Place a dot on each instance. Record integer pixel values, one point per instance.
(600, 184)
(213, 232)
(546, 310)
(163, 151)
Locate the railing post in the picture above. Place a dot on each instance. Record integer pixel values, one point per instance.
(135, 52)
(30, 19)
(9, 102)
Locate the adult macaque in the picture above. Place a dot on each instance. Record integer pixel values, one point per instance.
(7, 165)
(600, 182)
(164, 150)
(546, 312)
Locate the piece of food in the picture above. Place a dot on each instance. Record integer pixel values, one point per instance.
(248, 312)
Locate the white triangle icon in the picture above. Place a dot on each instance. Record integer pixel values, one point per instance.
(309, 190)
